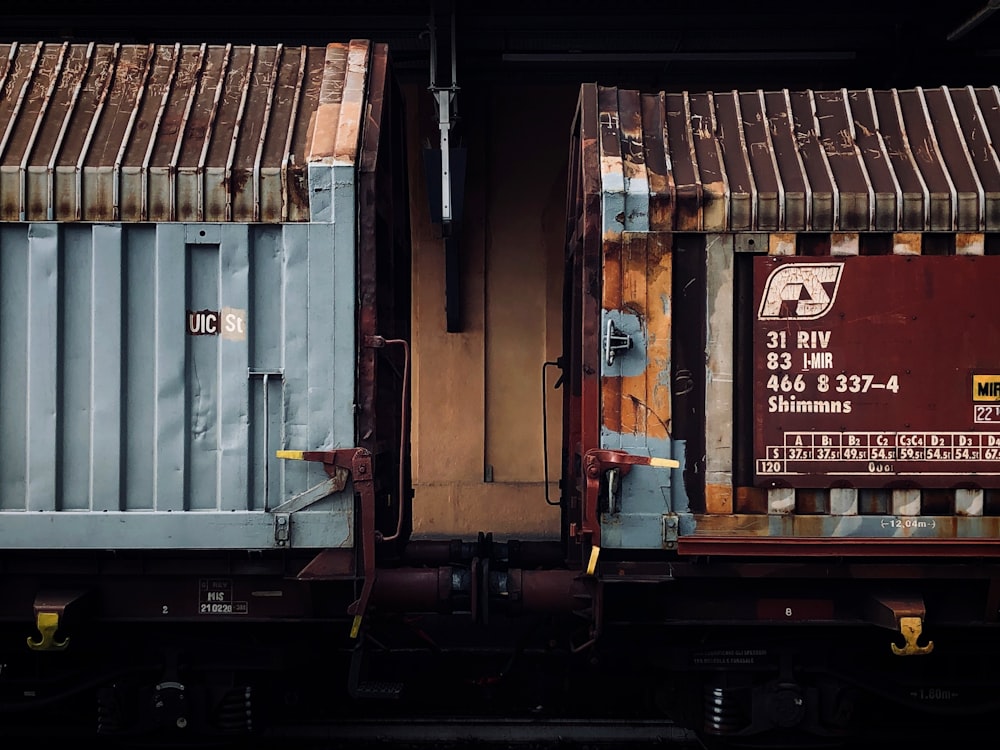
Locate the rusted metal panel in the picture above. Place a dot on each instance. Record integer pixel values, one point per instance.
(831, 161)
(662, 190)
(683, 162)
(612, 174)
(762, 155)
(112, 132)
(636, 396)
(734, 165)
(865, 383)
(637, 189)
(714, 211)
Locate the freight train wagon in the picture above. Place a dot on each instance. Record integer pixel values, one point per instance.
(792, 294)
(204, 275)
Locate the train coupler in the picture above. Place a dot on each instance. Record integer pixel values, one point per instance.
(902, 611)
(50, 608)
(911, 628)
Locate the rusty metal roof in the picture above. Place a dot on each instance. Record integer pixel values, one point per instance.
(865, 160)
(160, 132)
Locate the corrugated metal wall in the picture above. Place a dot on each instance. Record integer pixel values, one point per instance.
(147, 369)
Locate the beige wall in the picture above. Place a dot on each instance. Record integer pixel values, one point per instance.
(477, 394)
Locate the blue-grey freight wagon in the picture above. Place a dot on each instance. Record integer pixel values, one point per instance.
(185, 234)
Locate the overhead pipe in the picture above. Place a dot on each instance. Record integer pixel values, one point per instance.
(973, 21)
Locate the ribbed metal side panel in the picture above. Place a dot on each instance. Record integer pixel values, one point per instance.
(149, 372)
(160, 132)
(830, 161)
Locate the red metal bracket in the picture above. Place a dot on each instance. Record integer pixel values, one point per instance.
(595, 463)
(358, 462)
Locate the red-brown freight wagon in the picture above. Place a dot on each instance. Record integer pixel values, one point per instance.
(782, 410)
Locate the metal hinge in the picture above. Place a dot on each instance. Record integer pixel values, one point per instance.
(615, 341)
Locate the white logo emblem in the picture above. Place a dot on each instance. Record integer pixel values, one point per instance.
(800, 291)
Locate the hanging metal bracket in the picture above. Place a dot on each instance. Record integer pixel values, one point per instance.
(444, 98)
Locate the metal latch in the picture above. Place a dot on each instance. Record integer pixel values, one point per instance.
(615, 341)
(282, 529)
(670, 531)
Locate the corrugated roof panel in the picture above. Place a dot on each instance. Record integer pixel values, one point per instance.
(884, 187)
(795, 194)
(662, 193)
(102, 132)
(633, 162)
(913, 197)
(824, 208)
(712, 174)
(868, 160)
(763, 166)
(683, 162)
(731, 145)
(981, 122)
(954, 151)
(836, 133)
(923, 143)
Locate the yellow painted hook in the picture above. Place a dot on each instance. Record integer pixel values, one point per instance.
(910, 628)
(47, 624)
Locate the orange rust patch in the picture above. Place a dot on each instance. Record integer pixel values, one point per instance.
(718, 498)
(969, 243)
(906, 243)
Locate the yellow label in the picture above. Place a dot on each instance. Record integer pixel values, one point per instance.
(986, 387)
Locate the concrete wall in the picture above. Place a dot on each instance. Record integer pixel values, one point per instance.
(477, 394)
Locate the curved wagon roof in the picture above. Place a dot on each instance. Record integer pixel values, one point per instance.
(173, 132)
(865, 160)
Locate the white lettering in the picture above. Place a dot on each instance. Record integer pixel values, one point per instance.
(817, 360)
(813, 339)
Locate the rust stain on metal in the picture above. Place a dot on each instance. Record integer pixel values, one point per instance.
(102, 132)
(718, 499)
(739, 543)
(750, 500)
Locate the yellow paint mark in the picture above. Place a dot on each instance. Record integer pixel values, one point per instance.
(986, 387)
(595, 552)
(290, 455)
(665, 463)
(356, 626)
